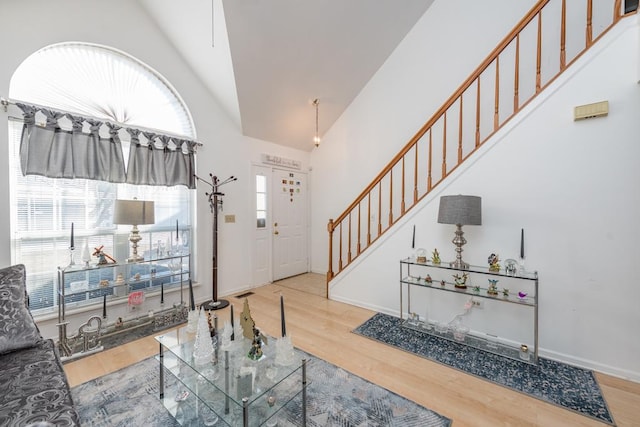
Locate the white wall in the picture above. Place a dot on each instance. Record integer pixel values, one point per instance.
(29, 26)
(410, 86)
(573, 187)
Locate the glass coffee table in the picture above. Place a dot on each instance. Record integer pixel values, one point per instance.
(232, 391)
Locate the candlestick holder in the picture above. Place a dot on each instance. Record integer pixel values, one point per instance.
(176, 246)
(104, 306)
(71, 260)
(521, 269)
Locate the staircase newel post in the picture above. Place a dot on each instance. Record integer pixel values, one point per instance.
(330, 270)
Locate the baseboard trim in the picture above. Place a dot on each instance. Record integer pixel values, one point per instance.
(377, 309)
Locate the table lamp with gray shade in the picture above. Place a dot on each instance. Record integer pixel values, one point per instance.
(134, 212)
(460, 210)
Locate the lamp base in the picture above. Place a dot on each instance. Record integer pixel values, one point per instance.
(459, 241)
(215, 305)
(135, 238)
(459, 265)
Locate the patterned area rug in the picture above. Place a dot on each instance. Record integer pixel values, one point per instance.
(567, 386)
(129, 397)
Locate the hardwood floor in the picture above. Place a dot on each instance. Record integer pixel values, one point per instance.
(323, 328)
(312, 283)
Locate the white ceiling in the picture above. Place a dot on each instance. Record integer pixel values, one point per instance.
(280, 55)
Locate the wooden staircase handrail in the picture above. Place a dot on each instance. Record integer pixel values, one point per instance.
(448, 103)
(457, 96)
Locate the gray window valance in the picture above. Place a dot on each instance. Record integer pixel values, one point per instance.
(154, 159)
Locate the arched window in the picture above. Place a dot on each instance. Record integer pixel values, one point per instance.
(101, 82)
(97, 81)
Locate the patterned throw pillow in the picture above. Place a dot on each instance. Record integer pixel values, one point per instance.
(17, 328)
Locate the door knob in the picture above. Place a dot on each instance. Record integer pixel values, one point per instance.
(276, 232)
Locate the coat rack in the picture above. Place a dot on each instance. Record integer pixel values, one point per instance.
(215, 201)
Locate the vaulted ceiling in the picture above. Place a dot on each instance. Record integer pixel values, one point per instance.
(265, 61)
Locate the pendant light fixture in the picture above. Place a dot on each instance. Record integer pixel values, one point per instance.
(316, 139)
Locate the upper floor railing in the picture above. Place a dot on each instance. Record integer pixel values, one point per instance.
(553, 35)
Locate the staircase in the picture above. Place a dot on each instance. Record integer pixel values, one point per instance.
(548, 40)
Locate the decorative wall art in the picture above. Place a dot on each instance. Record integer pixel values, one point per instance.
(292, 187)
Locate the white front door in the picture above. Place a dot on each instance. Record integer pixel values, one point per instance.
(289, 223)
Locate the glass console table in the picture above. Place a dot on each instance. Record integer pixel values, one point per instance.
(235, 390)
(91, 284)
(419, 274)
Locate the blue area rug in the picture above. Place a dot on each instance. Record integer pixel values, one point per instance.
(129, 397)
(567, 386)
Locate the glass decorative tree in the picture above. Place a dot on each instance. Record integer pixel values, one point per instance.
(203, 346)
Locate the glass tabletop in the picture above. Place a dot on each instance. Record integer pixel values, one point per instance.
(230, 372)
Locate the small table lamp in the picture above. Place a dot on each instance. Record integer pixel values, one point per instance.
(134, 212)
(460, 210)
